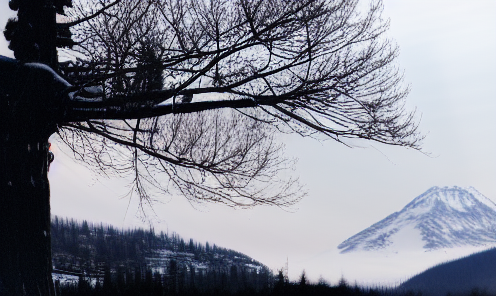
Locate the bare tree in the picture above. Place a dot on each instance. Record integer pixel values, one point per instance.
(188, 95)
(306, 66)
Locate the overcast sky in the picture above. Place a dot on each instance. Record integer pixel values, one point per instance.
(447, 50)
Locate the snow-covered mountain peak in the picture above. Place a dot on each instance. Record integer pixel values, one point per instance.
(441, 217)
(456, 198)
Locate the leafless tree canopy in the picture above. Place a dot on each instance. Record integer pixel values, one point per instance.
(219, 156)
(153, 79)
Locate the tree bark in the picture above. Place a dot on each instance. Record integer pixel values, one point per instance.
(25, 243)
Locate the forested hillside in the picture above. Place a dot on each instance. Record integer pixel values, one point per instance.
(115, 259)
(457, 277)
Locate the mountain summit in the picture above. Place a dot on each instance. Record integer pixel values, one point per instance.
(444, 217)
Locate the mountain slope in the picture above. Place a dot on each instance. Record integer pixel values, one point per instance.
(457, 277)
(439, 218)
(93, 249)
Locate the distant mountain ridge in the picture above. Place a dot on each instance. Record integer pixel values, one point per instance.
(442, 217)
(458, 277)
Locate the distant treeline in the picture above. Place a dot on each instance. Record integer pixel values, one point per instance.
(89, 244)
(139, 262)
(279, 287)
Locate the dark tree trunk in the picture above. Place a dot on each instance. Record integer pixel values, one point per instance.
(29, 110)
(25, 246)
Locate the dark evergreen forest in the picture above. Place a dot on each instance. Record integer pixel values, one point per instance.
(100, 258)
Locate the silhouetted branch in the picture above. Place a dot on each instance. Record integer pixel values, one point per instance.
(207, 156)
(315, 66)
(89, 17)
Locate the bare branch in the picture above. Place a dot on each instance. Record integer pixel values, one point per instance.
(150, 71)
(89, 17)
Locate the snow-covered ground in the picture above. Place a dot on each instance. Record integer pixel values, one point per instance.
(65, 278)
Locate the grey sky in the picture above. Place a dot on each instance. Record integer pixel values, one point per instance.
(447, 50)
